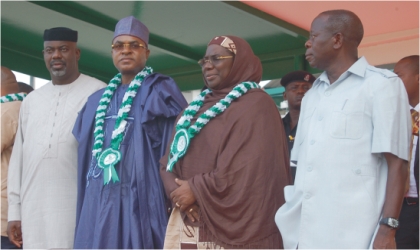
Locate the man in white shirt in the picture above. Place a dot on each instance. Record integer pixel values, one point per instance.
(407, 235)
(42, 178)
(351, 146)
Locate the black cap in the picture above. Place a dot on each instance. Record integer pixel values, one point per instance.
(60, 34)
(299, 75)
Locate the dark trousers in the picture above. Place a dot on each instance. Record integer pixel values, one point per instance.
(6, 244)
(407, 236)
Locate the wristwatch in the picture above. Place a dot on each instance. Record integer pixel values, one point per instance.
(390, 222)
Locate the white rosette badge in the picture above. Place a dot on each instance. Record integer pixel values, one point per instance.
(178, 147)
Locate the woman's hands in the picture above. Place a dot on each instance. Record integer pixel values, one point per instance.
(193, 213)
(184, 199)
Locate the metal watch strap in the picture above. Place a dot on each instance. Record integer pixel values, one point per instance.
(390, 222)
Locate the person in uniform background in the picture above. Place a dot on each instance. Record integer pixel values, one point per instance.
(42, 178)
(407, 235)
(351, 173)
(122, 133)
(296, 84)
(11, 100)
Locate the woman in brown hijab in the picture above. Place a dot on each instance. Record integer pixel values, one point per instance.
(229, 184)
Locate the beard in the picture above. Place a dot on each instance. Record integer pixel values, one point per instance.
(56, 72)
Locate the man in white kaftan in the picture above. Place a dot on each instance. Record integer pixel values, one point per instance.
(42, 180)
(353, 138)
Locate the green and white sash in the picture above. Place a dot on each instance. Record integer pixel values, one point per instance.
(108, 158)
(185, 132)
(13, 97)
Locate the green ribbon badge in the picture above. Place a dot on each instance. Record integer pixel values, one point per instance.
(179, 147)
(107, 161)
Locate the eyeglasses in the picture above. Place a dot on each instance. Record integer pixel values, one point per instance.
(133, 46)
(51, 50)
(214, 59)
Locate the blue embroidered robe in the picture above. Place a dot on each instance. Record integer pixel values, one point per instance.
(130, 213)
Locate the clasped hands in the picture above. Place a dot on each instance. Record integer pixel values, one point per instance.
(184, 199)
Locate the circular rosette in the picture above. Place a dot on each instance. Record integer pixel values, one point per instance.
(107, 161)
(178, 148)
(181, 142)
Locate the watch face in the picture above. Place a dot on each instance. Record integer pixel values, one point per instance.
(393, 222)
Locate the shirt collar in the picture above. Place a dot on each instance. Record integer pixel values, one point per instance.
(358, 68)
(322, 78)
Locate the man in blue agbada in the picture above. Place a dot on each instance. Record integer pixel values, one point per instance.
(122, 132)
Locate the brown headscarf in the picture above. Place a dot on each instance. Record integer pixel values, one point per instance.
(246, 66)
(238, 165)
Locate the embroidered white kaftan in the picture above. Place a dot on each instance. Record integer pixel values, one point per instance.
(42, 179)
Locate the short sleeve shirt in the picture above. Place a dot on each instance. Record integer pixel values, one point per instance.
(341, 177)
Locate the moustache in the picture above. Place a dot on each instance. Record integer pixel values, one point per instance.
(57, 61)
